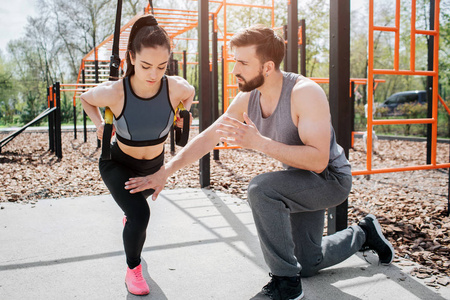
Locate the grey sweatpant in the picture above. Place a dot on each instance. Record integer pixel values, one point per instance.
(289, 210)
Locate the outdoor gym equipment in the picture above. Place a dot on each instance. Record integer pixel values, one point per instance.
(54, 122)
(11, 136)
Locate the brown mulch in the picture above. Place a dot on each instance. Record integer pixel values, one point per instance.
(411, 206)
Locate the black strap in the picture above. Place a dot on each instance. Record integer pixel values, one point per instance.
(182, 135)
(114, 65)
(151, 6)
(115, 58)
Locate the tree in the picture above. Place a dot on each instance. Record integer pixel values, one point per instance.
(7, 94)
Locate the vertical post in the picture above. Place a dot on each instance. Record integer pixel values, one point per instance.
(171, 71)
(74, 119)
(83, 78)
(352, 103)
(205, 84)
(51, 120)
(172, 139)
(96, 81)
(292, 33)
(215, 78)
(430, 44)
(303, 48)
(58, 148)
(223, 81)
(340, 105)
(285, 59)
(184, 64)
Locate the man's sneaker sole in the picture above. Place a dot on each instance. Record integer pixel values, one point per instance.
(381, 235)
(298, 297)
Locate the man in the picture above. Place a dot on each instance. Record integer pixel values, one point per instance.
(287, 117)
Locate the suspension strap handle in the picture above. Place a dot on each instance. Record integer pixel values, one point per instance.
(182, 134)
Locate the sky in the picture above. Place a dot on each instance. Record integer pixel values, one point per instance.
(13, 18)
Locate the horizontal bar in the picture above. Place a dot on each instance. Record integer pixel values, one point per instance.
(69, 90)
(401, 169)
(403, 72)
(226, 147)
(79, 84)
(426, 32)
(382, 28)
(402, 121)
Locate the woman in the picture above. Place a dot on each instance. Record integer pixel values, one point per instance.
(143, 104)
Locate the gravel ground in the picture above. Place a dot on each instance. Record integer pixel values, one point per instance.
(411, 206)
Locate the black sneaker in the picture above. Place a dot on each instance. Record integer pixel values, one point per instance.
(282, 288)
(375, 240)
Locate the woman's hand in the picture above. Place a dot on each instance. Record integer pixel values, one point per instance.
(154, 181)
(179, 122)
(100, 130)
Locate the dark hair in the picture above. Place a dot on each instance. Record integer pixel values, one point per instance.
(145, 33)
(269, 45)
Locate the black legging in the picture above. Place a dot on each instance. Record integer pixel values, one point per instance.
(115, 173)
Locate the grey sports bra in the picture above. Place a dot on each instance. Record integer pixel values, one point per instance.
(144, 122)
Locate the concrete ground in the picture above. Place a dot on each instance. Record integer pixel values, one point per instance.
(200, 245)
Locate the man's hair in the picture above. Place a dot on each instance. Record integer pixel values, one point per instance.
(269, 45)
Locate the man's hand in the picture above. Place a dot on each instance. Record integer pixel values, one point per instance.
(154, 181)
(235, 132)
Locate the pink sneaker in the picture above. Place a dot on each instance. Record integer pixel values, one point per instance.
(135, 282)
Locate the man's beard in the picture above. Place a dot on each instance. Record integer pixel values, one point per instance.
(248, 86)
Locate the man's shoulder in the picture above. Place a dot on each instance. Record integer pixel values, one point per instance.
(305, 85)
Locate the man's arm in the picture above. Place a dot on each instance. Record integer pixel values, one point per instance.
(311, 109)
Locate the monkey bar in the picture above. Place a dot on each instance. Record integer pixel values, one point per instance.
(434, 73)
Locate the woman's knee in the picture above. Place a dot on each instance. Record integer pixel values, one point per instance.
(139, 217)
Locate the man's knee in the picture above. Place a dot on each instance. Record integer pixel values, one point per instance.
(257, 189)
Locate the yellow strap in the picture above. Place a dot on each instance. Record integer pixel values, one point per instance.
(108, 116)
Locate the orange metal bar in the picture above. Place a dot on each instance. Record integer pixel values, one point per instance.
(370, 89)
(403, 121)
(385, 28)
(273, 13)
(73, 90)
(435, 83)
(427, 32)
(50, 96)
(226, 147)
(158, 9)
(404, 72)
(445, 105)
(79, 84)
(412, 57)
(248, 5)
(401, 169)
(397, 36)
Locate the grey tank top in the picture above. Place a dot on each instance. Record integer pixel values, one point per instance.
(279, 126)
(144, 122)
